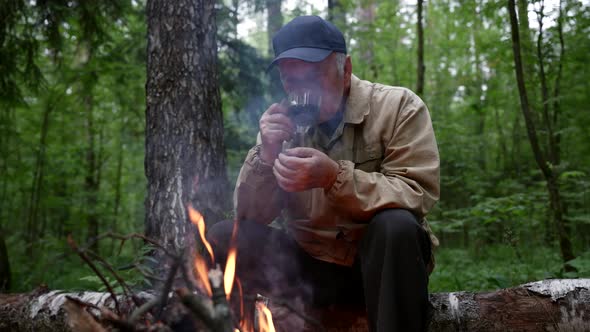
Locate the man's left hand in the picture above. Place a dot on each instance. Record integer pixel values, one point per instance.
(301, 169)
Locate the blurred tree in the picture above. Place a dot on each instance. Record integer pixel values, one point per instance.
(420, 55)
(4, 264)
(274, 23)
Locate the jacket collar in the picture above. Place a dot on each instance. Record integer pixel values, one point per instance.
(358, 102)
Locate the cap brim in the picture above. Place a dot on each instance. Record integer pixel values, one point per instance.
(307, 54)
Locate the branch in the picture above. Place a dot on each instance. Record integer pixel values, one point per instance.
(124, 238)
(124, 286)
(85, 258)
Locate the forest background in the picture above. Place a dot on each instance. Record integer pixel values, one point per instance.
(72, 127)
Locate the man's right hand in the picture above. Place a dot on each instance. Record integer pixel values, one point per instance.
(275, 128)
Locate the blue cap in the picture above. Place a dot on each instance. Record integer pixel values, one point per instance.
(307, 38)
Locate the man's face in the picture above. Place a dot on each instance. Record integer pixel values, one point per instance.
(321, 77)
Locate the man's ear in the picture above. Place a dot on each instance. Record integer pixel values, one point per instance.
(347, 73)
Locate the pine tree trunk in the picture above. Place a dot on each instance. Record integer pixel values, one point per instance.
(185, 154)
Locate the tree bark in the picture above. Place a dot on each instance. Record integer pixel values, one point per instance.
(549, 305)
(420, 29)
(542, 162)
(185, 154)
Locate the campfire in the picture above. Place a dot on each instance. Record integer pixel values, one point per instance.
(215, 284)
(206, 293)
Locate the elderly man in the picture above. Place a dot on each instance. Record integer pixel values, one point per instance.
(348, 197)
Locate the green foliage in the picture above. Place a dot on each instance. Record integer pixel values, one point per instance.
(496, 266)
(81, 66)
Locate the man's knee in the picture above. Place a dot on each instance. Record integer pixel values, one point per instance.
(396, 225)
(220, 233)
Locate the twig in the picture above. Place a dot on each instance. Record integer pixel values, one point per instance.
(124, 286)
(124, 238)
(85, 258)
(137, 313)
(147, 274)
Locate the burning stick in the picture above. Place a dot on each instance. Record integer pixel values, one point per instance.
(222, 309)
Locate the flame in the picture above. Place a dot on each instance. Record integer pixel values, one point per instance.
(201, 268)
(230, 264)
(265, 318)
(241, 301)
(246, 325)
(230, 271)
(197, 219)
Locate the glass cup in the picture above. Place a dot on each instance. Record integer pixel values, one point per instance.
(303, 107)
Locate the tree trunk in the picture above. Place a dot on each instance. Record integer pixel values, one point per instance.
(91, 181)
(551, 147)
(367, 19)
(336, 14)
(556, 88)
(274, 22)
(185, 154)
(36, 186)
(118, 174)
(527, 50)
(478, 104)
(542, 162)
(549, 305)
(420, 29)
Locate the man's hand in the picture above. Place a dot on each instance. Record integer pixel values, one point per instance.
(275, 128)
(300, 169)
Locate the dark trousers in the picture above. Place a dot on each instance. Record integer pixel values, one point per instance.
(389, 274)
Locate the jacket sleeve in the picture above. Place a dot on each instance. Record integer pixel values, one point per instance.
(257, 196)
(408, 176)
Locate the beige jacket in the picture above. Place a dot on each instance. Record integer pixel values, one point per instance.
(388, 158)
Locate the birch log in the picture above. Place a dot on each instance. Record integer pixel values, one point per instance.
(548, 305)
